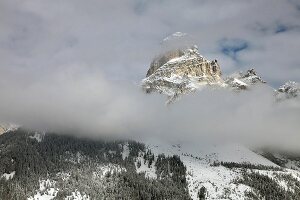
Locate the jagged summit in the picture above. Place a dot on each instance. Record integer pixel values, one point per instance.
(289, 90)
(252, 77)
(181, 71)
(244, 80)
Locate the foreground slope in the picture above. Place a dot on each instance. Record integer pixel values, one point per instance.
(65, 167)
(52, 166)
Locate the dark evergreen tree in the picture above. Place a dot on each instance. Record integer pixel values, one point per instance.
(202, 193)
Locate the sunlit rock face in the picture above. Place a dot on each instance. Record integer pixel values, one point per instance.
(163, 59)
(180, 71)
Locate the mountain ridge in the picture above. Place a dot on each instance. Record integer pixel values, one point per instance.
(183, 70)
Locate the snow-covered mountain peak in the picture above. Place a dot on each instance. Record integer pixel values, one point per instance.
(241, 81)
(252, 77)
(288, 90)
(184, 70)
(181, 71)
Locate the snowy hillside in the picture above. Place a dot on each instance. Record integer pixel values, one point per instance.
(65, 167)
(200, 161)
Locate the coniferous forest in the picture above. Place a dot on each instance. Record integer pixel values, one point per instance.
(73, 163)
(63, 164)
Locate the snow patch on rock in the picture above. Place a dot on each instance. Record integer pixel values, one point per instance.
(8, 176)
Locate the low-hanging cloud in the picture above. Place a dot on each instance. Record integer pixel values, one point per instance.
(77, 65)
(89, 104)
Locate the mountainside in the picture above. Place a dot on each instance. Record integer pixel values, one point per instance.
(231, 171)
(65, 167)
(234, 172)
(38, 165)
(179, 72)
(52, 166)
(183, 70)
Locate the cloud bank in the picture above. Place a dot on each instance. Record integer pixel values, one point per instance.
(121, 37)
(91, 105)
(76, 65)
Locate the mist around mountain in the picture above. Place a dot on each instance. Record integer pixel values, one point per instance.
(193, 147)
(161, 99)
(183, 69)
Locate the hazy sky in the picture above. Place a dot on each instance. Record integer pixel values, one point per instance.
(80, 62)
(120, 38)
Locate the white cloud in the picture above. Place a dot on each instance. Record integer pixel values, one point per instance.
(72, 63)
(121, 37)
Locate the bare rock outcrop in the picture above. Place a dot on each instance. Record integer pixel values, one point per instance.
(242, 81)
(180, 72)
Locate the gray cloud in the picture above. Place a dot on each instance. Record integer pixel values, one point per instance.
(91, 105)
(121, 37)
(73, 64)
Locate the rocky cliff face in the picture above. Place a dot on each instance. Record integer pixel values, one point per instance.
(181, 71)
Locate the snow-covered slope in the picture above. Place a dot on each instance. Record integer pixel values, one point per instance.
(200, 160)
(223, 170)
